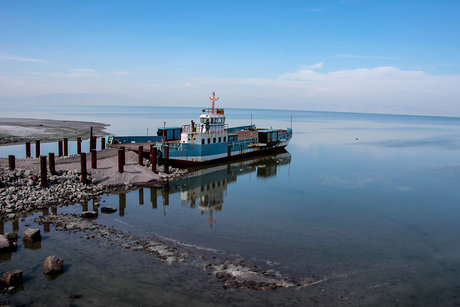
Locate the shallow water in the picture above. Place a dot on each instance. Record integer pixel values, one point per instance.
(369, 201)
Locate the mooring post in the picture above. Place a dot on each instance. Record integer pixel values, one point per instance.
(153, 158)
(124, 150)
(102, 143)
(37, 148)
(141, 152)
(43, 179)
(94, 158)
(166, 162)
(52, 163)
(66, 147)
(11, 162)
(60, 148)
(91, 133)
(229, 151)
(120, 160)
(92, 143)
(83, 167)
(141, 196)
(78, 145)
(27, 149)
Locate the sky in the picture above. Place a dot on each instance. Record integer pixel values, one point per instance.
(370, 56)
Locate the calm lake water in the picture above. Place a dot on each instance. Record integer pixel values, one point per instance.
(370, 201)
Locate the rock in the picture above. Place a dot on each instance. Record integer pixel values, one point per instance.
(31, 235)
(88, 214)
(12, 278)
(53, 265)
(108, 209)
(12, 236)
(5, 246)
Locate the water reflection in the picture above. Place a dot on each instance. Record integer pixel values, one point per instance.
(206, 187)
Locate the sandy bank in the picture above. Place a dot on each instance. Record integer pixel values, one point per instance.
(21, 130)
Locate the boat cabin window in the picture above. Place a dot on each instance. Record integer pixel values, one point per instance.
(225, 139)
(202, 141)
(209, 141)
(214, 140)
(220, 139)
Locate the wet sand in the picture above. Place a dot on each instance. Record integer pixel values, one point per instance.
(21, 130)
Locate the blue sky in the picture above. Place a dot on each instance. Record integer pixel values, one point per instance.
(358, 56)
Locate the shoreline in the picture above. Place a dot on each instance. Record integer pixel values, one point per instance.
(15, 131)
(20, 189)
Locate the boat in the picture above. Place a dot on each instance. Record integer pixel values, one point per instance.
(208, 141)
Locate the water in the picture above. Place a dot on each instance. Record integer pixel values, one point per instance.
(370, 201)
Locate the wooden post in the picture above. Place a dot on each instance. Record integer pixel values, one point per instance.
(120, 160)
(123, 155)
(78, 145)
(140, 152)
(43, 173)
(94, 158)
(229, 151)
(27, 149)
(91, 133)
(52, 163)
(66, 147)
(153, 158)
(37, 148)
(11, 162)
(60, 148)
(166, 159)
(102, 143)
(83, 167)
(93, 143)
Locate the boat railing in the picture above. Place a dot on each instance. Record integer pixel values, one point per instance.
(203, 129)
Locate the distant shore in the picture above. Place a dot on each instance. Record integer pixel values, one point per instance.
(21, 130)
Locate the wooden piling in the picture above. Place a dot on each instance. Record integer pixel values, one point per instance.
(43, 172)
(52, 163)
(229, 151)
(37, 148)
(11, 162)
(123, 153)
(27, 149)
(166, 159)
(91, 133)
(78, 145)
(94, 158)
(153, 158)
(102, 143)
(83, 167)
(66, 147)
(120, 160)
(141, 158)
(91, 143)
(121, 204)
(60, 148)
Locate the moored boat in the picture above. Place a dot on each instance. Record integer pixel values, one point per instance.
(209, 141)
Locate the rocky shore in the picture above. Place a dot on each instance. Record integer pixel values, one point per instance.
(232, 271)
(20, 190)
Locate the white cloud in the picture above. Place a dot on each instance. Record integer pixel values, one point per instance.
(121, 73)
(8, 57)
(318, 65)
(76, 73)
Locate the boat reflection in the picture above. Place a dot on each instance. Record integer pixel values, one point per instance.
(206, 187)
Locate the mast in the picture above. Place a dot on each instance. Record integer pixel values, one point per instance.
(213, 99)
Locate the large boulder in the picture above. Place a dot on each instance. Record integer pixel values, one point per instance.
(12, 278)
(4, 245)
(53, 265)
(31, 235)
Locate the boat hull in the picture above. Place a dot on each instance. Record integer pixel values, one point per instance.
(181, 162)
